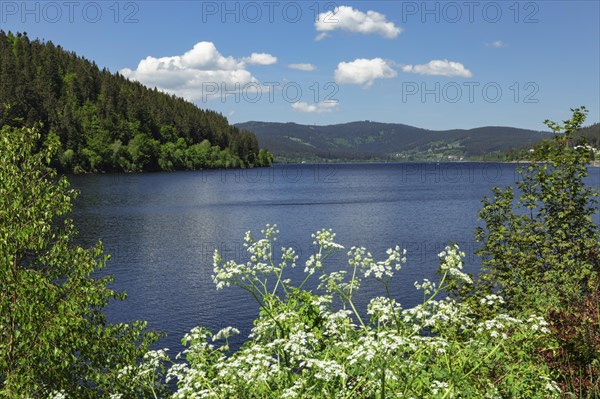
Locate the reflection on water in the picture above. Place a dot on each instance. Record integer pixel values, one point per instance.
(162, 229)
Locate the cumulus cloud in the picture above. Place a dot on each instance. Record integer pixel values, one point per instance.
(260, 59)
(201, 71)
(325, 106)
(439, 68)
(303, 67)
(351, 20)
(363, 71)
(496, 44)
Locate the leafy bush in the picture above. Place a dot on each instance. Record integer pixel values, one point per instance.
(536, 248)
(576, 357)
(541, 254)
(54, 338)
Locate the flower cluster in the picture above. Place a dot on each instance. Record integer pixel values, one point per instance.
(361, 258)
(384, 310)
(302, 346)
(451, 261)
(324, 239)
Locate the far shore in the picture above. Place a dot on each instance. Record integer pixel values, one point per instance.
(594, 164)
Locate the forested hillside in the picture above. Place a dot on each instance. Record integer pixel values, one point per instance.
(104, 122)
(389, 141)
(591, 133)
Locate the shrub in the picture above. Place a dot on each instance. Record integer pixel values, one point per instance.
(54, 338)
(540, 253)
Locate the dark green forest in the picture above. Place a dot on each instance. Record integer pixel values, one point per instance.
(104, 122)
(368, 140)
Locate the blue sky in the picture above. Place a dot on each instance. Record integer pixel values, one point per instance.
(437, 65)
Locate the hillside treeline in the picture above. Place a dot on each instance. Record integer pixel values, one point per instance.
(104, 122)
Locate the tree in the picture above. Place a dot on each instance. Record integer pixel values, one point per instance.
(143, 152)
(54, 337)
(545, 244)
(541, 253)
(265, 158)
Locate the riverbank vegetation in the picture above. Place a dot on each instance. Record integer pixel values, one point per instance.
(526, 326)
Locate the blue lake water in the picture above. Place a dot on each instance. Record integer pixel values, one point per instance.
(162, 229)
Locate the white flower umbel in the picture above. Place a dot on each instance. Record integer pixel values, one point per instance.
(324, 239)
(451, 261)
(225, 333)
(358, 256)
(384, 310)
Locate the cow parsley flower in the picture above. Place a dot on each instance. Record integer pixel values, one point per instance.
(491, 299)
(225, 333)
(383, 309)
(451, 262)
(359, 257)
(324, 239)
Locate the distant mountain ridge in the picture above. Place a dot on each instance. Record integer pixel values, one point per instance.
(366, 140)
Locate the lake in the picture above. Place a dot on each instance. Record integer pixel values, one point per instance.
(161, 229)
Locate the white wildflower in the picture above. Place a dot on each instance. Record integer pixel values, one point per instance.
(537, 323)
(427, 286)
(383, 309)
(492, 299)
(436, 386)
(313, 263)
(324, 239)
(225, 333)
(451, 262)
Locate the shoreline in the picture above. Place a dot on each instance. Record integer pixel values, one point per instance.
(593, 164)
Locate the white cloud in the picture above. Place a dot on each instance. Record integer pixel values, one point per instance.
(198, 70)
(363, 71)
(351, 20)
(325, 106)
(260, 59)
(321, 36)
(440, 68)
(496, 44)
(303, 67)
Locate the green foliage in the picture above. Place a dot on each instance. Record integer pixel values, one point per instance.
(576, 357)
(301, 347)
(54, 338)
(588, 137)
(143, 152)
(538, 252)
(541, 251)
(173, 155)
(265, 157)
(94, 113)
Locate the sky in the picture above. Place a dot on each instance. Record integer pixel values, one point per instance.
(436, 64)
